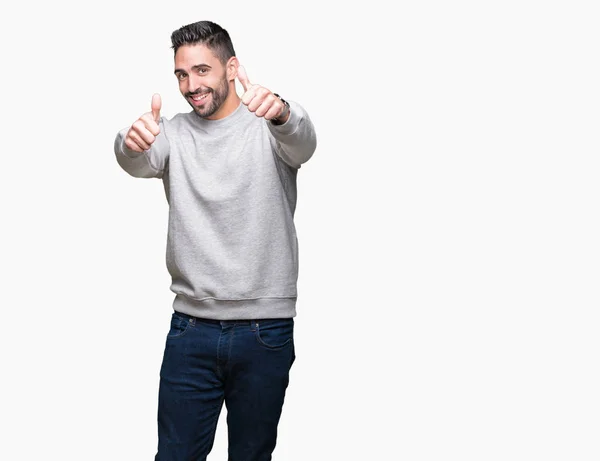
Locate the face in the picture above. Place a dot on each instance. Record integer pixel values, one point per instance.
(202, 79)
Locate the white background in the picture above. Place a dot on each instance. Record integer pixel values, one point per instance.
(448, 226)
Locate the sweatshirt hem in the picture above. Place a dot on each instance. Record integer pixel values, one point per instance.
(242, 309)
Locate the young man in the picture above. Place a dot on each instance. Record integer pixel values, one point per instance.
(229, 171)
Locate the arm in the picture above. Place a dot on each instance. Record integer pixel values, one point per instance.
(296, 137)
(293, 130)
(142, 149)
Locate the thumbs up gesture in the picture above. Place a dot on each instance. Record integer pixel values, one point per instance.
(260, 100)
(144, 130)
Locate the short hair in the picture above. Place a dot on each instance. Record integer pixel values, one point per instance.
(207, 33)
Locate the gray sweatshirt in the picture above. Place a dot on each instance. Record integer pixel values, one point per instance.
(232, 249)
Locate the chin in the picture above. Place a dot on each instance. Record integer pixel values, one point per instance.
(205, 113)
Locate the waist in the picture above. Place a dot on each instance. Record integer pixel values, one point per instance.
(244, 310)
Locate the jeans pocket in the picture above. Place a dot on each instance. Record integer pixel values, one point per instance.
(275, 333)
(179, 326)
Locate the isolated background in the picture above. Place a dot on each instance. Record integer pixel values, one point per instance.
(448, 227)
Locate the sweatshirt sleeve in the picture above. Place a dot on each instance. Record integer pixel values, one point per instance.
(148, 164)
(296, 138)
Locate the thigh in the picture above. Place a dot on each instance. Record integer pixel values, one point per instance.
(261, 357)
(190, 392)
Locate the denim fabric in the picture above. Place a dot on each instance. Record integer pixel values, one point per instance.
(245, 364)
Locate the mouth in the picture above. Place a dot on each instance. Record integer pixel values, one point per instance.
(199, 99)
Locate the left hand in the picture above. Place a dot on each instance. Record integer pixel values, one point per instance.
(260, 100)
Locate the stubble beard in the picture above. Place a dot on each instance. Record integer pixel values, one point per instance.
(217, 97)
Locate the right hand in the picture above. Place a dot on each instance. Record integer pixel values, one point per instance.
(145, 129)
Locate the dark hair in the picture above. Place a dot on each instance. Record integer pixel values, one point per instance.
(205, 33)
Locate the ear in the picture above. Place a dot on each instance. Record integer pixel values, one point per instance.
(232, 67)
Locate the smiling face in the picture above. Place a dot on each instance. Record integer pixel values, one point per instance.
(205, 82)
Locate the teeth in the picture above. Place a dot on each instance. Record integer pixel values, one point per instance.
(198, 98)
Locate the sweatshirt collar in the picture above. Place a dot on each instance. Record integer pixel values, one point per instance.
(228, 121)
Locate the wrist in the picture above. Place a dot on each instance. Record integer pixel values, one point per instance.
(285, 113)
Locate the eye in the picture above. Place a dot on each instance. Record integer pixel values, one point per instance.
(202, 71)
(181, 76)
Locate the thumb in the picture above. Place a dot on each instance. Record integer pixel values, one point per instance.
(243, 78)
(156, 105)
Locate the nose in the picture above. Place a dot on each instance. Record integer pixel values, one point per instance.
(193, 83)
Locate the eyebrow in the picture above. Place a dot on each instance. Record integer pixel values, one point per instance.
(196, 67)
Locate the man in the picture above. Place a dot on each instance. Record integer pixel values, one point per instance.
(229, 171)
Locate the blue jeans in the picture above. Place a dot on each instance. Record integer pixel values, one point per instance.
(245, 364)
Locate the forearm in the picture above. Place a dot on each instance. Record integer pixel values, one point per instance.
(297, 139)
